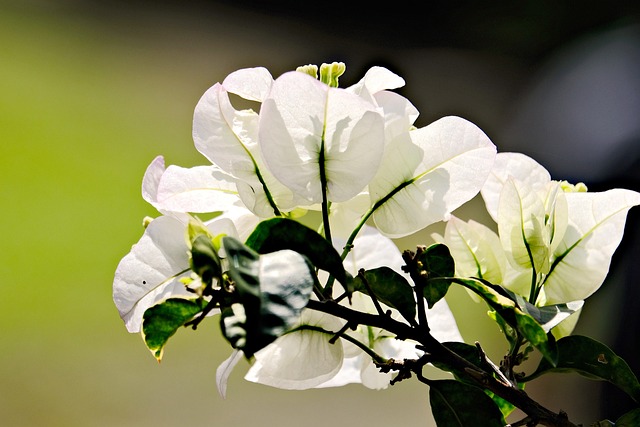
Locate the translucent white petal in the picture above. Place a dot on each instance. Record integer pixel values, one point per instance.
(249, 83)
(345, 216)
(425, 176)
(228, 138)
(521, 216)
(196, 189)
(225, 136)
(372, 250)
(151, 180)
(306, 125)
(302, 359)
(557, 213)
(582, 259)
(350, 372)
(150, 272)
(516, 165)
(566, 327)
(375, 80)
(399, 113)
(224, 371)
(442, 324)
(476, 250)
(372, 378)
(243, 219)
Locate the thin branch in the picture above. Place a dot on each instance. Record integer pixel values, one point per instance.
(444, 355)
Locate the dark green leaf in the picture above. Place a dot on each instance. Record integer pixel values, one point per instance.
(162, 320)
(204, 259)
(508, 310)
(547, 316)
(592, 359)
(390, 288)
(455, 404)
(630, 419)
(467, 352)
(472, 355)
(506, 407)
(282, 233)
(436, 262)
(273, 289)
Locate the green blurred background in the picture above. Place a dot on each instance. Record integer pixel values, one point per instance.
(91, 92)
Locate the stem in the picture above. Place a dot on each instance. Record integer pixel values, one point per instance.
(375, 356)
(323, 184)
(440, 353)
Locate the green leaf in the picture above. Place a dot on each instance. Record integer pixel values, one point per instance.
(436, 262)
(457, 404)
(547, 316)
(162, 320)
(204, 259)
(525, 324)
(390, 288)
(506, 407)
(272, 288)
(282, 233)
(594, 360)
(472, 355)
(630, 419)
(467, 352)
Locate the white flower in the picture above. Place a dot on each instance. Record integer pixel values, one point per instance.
(554, 244)
(313, 135)
(152, 270)
(316, 362)
(427, 173)
(229, 139)
(301, 359)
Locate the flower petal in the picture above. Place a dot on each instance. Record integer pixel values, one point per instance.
(428, 174)
(224, 371)
(306, 126)
(150, 272)
(228, 138)
(516, 165)
(582, 259)
(196, 189)
(476, 249)
(375, 80)
(301, 359)
(521, 216)
(151, 180)
(252, 84)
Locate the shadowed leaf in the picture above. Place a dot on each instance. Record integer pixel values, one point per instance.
(455, 404)
(594, 360)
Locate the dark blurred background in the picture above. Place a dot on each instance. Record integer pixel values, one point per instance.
(91, 91)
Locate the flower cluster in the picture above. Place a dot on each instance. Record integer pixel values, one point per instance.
(351, 164)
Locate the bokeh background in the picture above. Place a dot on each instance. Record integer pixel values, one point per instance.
(91, 92)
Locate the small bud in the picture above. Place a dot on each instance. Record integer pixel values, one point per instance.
(310, 69)
(146, 221)
(329, 73)
(573, 188)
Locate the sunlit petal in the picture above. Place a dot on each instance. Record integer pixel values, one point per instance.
(308, 128)
(428, 174)
(150, 272)
(516, 165)
(197, 189)
(582, 259)
(252, 84)
(302, 359)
